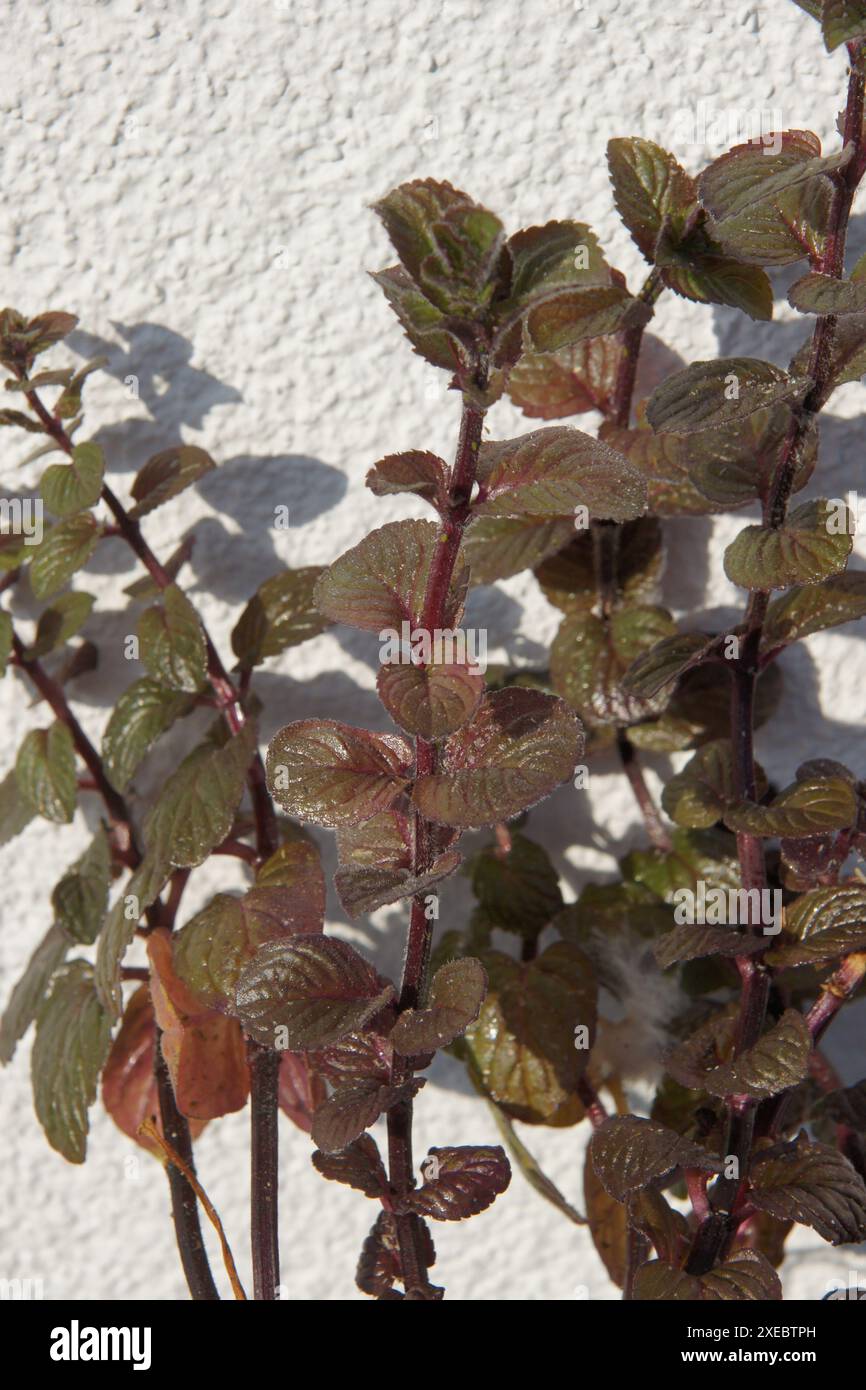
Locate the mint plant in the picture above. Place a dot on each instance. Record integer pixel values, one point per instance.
(710, 970)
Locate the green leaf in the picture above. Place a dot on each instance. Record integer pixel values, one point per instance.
(73, 1035)
(709, 394)
(341, 1119)
(462, 1181)
(16, 812)
(664, 460)
(423, 324)
(822, 925)
(696, 270)
(590, 657)
(745, 1276)
(812, 608)
(64, 549)
(552, 257)
(172, 642)
(842, 21)
(80, 897)
(650, 190)
(364, 888)
(568, 580)
(416, 472)
(288, 900)
(28, 994)
(750, 175)
(282, 613)
(308, 992)
(519, 746)
(456, 995)
(575, 314)
(777, 1061)
(430, 701)
(815, 1186)
(358, 1165)
(45, 771)
(697, 796)
(708, 855)
(629, 1153)
(61, 621)
(811, 807)
(734, 466)
(381, 582)
(496, 547)
(782, 228)
(518, 888)
(144, 711)
(824, 294)
(578, 378)
(552, 471)
(71, 487)
(197, 804)
(449, 244)
(331, 774)
(655, 669)
(524, 1044)
(689, 942)
(803, 550)
(166, 475)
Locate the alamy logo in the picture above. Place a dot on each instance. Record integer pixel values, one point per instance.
(720, 907)
(76, 1343)
(444, 646)
(22, 516)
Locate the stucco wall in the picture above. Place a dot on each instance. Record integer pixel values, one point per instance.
(193, 181)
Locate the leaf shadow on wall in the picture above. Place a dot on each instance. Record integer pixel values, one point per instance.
(157, 364)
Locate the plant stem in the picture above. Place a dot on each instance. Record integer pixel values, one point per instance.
(655, 827)
(413, 985)
(264, 1075)
(717, 1229)
(184, 1203)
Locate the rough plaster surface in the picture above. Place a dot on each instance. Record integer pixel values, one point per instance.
(193, 180)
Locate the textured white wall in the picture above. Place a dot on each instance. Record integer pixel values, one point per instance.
(193, 181)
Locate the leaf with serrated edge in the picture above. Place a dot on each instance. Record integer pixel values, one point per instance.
(381, 582)
(166, 475)
(343, 1117)
(523, 1042)
(416, 471)
(815, 1186)
(629, 1153)
(813, 608)
(26, 997)
(688, 942)
(745, 1275)
(518, 888)
(364, 888)
(822, 925)
(649, 189)
(456, 995)
(496, 547)
(282, 613)
(73, 1035)
(144, 711)
(550, 472)
(573, 314)
(430, 701)
(842, 21)
(308, 992)
(80, 897)
(804, 550)
(64, 549)
(519, 746)
(331, 774)
(45, 771)
(811, 807)
(172, 642)
(197, 804)
(462, 1181)
(708, 394)
(589, 658)
(576, 379)
(776, 1062)
(358, 1165)
(71, 487)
